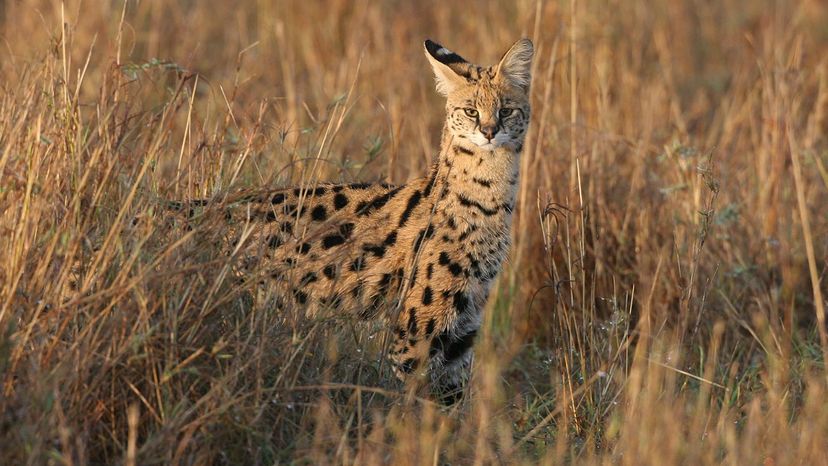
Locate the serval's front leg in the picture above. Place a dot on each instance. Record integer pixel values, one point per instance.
(433, 338)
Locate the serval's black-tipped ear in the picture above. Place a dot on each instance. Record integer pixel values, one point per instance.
(445, 63)
(516, 64)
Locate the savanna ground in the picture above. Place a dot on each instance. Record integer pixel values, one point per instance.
(664, 303)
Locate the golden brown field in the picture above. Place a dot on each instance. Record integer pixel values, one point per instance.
(666, 294)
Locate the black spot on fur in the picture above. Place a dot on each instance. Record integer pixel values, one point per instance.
(466, 233)
(462, 150)
(332, 241)
(431, 182)
(356, 291)
(378, 299)
(270, 216)
(330, 271)
(340, 200)
(274, 241)
(301, 296)
(277, 198)
(384, 282)
(461, 302)
(409, 365)
(424, 234)
(286, 227)
(466, 202)
(357, 264)
(415, 271)
(412, 204)
(309, 277)
(377, 250)
(429, 271)
(333, 301)
(290, 209)
(319, 213)
(373, 308)
(430, 327)
(317, 191)
(474, 264)
(303, 248)
(412, 322)
(482, 182)
(444, 258)
(346, 229)
(367, 207)
(371, 311)
(390, 239)
(427, 296)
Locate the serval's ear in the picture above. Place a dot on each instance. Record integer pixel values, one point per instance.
(446, 65)
(516, 65)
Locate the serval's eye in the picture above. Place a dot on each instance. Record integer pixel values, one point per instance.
(471, 112)
(504, 112)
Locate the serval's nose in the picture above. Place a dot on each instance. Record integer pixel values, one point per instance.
(489, 131)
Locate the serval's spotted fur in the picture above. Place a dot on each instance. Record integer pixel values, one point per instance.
(422, 255)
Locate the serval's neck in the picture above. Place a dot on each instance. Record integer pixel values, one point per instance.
(478, 185)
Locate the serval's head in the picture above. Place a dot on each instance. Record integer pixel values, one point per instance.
(488, 106)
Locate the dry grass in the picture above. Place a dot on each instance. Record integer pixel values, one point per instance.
(664, 303)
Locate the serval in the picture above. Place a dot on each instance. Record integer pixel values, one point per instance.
(423, 255)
